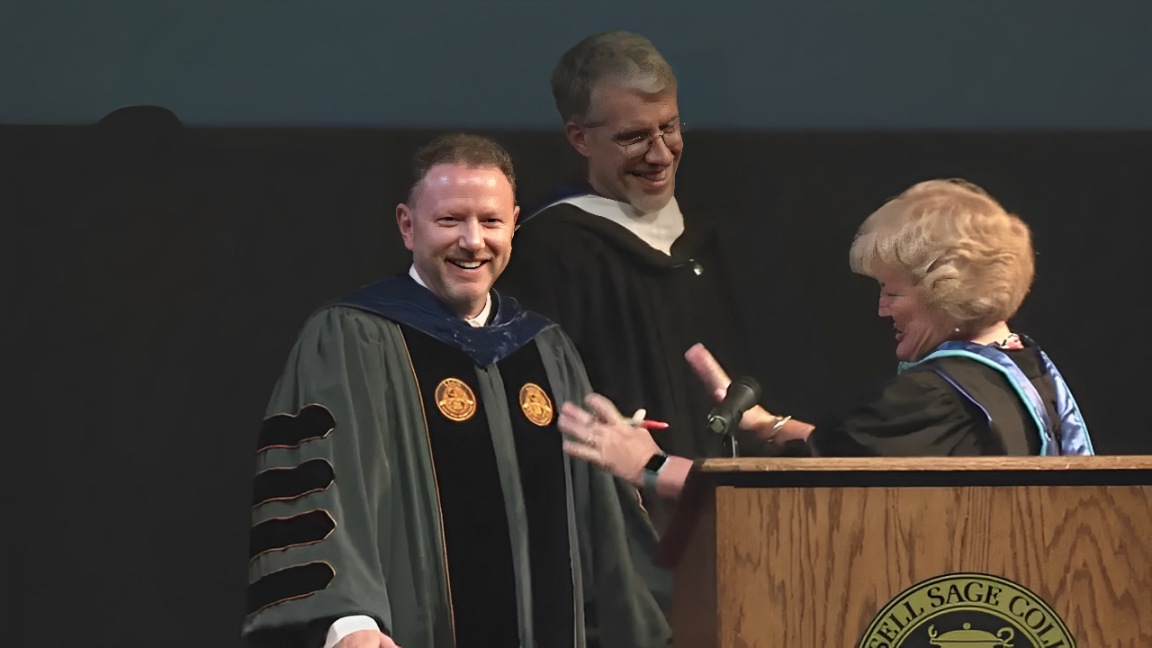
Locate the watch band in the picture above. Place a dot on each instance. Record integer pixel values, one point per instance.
(652, 470)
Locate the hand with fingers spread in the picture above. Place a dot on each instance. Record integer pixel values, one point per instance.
(756, 420)
(604, 438)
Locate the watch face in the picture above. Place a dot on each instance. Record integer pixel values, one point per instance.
(656, 462)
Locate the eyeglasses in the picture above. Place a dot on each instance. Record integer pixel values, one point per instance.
(639, 145)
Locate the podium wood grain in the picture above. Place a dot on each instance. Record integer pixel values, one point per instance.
(812, 566)
(793, 573)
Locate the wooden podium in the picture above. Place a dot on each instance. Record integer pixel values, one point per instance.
(817, 552)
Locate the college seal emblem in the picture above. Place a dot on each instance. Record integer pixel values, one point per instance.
(535, 404)
(967, 610)
(455, 400)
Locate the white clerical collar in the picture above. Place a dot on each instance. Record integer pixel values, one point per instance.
(475, 322)
(658, 229)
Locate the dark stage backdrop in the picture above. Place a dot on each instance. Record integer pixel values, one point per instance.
(155, 278)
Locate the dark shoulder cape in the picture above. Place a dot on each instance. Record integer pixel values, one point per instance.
(402, 300)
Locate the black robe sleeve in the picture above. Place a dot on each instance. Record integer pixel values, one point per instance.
(915, 414)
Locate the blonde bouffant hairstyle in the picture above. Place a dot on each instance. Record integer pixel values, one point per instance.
(973, 258)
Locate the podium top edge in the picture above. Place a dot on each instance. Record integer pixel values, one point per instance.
(923, 464)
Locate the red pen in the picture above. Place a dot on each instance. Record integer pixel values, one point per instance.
(638, 420)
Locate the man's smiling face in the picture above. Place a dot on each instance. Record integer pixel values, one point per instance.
(621, 115)
(460, 233)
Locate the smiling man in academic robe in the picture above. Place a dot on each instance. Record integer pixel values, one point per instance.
(642, 282)
(411, 489)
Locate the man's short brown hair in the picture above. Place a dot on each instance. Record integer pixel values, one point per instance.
(471, 151)
(607, 56)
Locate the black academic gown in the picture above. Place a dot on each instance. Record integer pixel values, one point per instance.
(921, 413)
(632, 312)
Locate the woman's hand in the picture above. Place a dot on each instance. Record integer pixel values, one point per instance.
(602, 437)
(756, 420)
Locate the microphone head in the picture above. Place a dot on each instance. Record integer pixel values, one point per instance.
(748, 385)
(742, 394)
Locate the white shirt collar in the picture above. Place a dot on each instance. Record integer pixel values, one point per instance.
(475, 322)
(658, 229)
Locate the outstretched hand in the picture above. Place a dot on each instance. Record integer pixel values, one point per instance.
(756, 420)
(602, 437)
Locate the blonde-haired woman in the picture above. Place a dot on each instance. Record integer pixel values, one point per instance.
(953, 268)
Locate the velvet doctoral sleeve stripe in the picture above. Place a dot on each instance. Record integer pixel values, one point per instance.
(282, 533)
(289, 483)
(289, 584)
(322, 469)
(286, 430)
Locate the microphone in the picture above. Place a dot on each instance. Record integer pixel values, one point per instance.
(742, 395)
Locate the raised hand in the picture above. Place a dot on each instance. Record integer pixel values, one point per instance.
(757, 419)
(715, 379)
(603, 437)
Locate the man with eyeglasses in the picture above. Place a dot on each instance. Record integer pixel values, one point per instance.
(630, 278)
